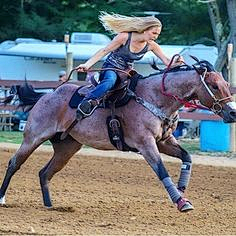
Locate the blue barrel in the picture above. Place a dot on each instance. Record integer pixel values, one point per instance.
(214, 136)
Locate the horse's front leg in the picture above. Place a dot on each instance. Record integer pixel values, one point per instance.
(149, 150)
(171, 147)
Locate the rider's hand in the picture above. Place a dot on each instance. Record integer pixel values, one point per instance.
(82, 68)
(179, 60)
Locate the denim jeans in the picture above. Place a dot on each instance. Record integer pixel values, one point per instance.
(108, 81)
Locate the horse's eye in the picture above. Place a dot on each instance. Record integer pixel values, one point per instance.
(215, 87)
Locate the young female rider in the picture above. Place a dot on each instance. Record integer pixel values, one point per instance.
(135, 36)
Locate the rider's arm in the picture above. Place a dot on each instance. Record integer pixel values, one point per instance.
(120, 39)
(156, 49)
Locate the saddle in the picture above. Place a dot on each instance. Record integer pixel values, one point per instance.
(115, 98)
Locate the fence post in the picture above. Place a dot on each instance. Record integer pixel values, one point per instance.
(69, 56)
(69, 63)
(232, 80)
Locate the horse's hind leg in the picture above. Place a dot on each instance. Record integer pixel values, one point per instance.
(171, 147)
(63, 151)
(15, 163)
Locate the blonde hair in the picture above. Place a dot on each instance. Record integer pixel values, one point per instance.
(116, 23)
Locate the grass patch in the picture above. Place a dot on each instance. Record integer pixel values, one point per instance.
(190, 145)
(14, 137)
(11, 137)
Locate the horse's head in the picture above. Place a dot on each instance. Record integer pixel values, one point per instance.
(214, 92)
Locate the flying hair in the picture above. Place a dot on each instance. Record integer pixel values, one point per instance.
(116, 23)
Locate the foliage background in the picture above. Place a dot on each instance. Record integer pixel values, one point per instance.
(188, 22)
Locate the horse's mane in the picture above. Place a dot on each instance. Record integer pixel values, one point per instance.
(206, 64)
(198, 65)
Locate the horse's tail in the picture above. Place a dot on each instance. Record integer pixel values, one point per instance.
(26, 95)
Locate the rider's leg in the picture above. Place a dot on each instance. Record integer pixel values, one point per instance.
(108, 81)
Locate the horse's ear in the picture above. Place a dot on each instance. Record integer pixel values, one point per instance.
(194, 58)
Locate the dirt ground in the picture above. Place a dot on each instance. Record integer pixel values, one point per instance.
(98, 194)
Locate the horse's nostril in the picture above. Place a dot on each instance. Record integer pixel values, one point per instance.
(232, 113)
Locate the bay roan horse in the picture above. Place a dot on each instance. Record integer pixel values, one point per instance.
(148, 121)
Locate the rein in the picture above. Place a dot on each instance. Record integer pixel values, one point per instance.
(94, 70)
(115, 69)
(216, 106)
(99, 69)
(182, 101)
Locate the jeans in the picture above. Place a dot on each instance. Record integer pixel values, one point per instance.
(108, 81)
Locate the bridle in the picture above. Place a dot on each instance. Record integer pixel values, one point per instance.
(216, 106)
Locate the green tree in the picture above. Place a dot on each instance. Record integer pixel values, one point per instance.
(50, 19)
(8, 17)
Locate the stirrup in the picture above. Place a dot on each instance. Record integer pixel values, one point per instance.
(85, 109)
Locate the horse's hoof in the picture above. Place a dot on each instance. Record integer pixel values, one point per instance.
(49, 207)
(184, 205)
(2, 201)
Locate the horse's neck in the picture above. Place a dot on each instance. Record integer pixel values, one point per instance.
(182, 84)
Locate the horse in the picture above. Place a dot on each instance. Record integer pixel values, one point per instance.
(148, 120)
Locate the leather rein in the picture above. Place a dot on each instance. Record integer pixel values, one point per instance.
(95, 70)
(100, 69)
(216, 106)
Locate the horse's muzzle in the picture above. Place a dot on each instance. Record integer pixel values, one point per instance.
(229, 112)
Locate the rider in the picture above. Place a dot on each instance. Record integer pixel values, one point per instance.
(135, 36)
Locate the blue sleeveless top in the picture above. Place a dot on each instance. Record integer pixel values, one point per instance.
(122, 58)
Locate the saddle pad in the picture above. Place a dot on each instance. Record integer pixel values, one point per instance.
(79, 95)
(76, 99)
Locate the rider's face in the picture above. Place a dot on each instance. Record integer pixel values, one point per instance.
(152, 33)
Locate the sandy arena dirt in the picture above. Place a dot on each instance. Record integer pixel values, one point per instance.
(99, 194)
